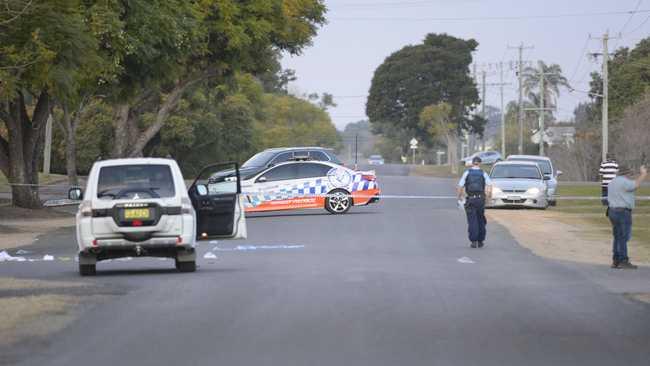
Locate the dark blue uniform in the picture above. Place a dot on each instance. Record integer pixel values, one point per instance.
(474, 182)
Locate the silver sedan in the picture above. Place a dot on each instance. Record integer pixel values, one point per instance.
(518, 184)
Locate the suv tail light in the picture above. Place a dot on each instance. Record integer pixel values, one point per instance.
(85, 209)
(186, 206)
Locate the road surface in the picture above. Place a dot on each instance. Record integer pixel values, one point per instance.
(390, 284)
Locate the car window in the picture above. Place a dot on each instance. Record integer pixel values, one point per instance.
(281, 158)
(302, 154)
(333, 158)
(544, 165)
(312, 170)
(318, 155)
(284, 172)
(135, 181)
(259, 159)
(515, 172)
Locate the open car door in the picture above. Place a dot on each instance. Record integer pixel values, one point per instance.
(215, 195)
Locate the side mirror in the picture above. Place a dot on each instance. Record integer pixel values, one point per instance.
(261, 179)
(202, 190)
(75, 194)
(558, 173)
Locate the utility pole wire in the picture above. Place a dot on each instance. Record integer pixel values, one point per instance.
(521, 48)
(638, 5)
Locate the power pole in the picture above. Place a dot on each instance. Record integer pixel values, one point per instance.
(483, 103)
(356, 150)
(605, 108)
(541, 109)
(605, 96)
(542, 112)
(521, 48)
(503, 115)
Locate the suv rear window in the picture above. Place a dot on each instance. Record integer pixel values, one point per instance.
(135, 181)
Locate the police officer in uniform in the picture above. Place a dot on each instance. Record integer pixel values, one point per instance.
(476, 185)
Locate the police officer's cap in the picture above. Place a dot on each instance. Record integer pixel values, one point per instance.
(476, 160)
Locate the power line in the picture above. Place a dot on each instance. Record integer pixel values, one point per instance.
(638, 27)
(490, 18)
(638, 5)
(580, 58)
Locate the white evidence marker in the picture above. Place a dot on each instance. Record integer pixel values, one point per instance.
(209, 255)
(465, 260)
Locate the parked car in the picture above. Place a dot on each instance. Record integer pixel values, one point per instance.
(487, 158)
(309, 184)
(141, 207)
(375, 160)
(546, 165)
(518, 184)
(275, 156)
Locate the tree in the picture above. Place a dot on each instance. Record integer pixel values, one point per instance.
(436, 119)
(631, 134)
(553, 81)
(40, 54)
(178, 44)
(291, 121)
(418, 76)
(629, 79)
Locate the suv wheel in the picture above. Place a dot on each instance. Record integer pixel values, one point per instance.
(186, 266)
(87, 269)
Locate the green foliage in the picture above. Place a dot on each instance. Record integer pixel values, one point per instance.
(553, 81)
(629, 79)
(290, 121)
(417, 76)
(435, 119)
(94, 138)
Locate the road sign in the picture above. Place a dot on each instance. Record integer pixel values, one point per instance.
(414, 143)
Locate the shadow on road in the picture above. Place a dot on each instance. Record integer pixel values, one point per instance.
(298, 214)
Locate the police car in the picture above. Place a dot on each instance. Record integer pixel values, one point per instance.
(309, 184)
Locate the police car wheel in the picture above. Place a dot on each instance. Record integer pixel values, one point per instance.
(338, 202)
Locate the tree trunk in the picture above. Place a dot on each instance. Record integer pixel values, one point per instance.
(19, 155)
(452, 141)
(165, 109)
(69, 128)
(122, 112)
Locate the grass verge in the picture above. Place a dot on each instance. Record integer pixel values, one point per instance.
(42, 179)
(592, 214)
(435, 171)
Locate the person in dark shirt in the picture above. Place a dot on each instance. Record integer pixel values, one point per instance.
(476, 185)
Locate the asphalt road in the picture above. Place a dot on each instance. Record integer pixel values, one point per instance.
(382, 285)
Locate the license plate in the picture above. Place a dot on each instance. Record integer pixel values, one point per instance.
(514, 198)
(136, 214)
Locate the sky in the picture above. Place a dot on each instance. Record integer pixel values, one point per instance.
(360, 34)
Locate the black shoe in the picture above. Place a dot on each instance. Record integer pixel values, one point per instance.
(474, 244)
(481, 244)
(615, 264)
(627, 265)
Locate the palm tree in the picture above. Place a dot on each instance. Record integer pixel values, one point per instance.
(553, 80)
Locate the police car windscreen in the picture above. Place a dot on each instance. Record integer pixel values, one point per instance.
(259, 159)
(515, 172)
(135, 181)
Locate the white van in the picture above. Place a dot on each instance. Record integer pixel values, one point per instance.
(141, 207)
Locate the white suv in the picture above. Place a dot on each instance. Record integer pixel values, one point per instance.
(141, 207)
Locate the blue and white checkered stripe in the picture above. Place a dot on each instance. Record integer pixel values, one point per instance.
(359, 184)
(289, 191)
